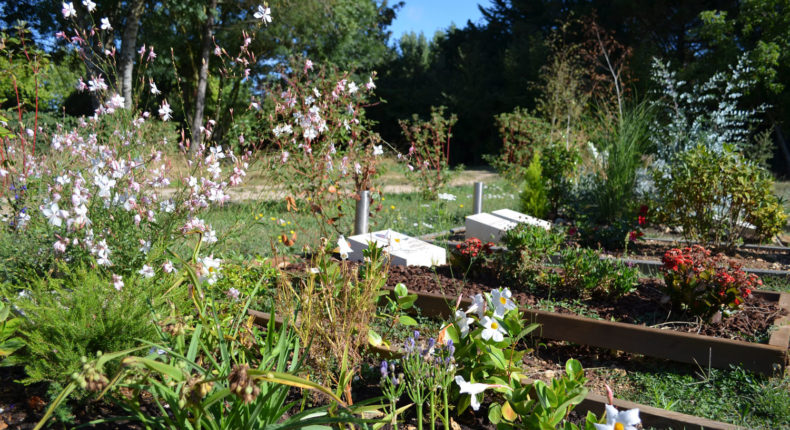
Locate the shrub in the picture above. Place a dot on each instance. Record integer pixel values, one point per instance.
(703, 285)
(522, 135)
(327, 152)
(79, 315)
(586, 272)
(529, 249)
(534, 199)
(713, 194)
(429, 150)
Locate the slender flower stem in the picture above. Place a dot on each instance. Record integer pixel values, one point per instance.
(433, 410)
(446, 409)
(419, 416)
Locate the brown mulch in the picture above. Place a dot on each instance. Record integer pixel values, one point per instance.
(644, 306)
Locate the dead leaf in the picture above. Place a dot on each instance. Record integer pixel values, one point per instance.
(290, 204)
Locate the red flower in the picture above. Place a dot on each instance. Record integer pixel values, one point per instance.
(642, 220)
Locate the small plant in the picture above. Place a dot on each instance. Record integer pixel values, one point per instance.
(715, 195)
(540, 405)
(529, 249)
(429, 150)
(471, 254)
(585, 271)
(428, 370)
(703, 284)
(534, 197)
(337, 304)
(392, 386)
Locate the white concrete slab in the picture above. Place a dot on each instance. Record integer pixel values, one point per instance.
(487, 227)
(404, 250)
(519, 217)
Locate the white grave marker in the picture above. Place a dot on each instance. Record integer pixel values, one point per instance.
(403, 250)
(487, 227)
(519, 217)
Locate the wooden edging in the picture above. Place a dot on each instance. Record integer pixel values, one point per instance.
(595, 403)
(754, 246)
(653, 342)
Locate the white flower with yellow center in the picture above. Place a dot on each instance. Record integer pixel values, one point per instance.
(208, 269)
(616, 420)
(462, 322)
(473, 389)
(493, 329)
(502, 302)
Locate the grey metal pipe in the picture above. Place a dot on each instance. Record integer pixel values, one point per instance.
(477, 206)
(363, 209)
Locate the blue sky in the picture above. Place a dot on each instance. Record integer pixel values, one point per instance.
(431, 15)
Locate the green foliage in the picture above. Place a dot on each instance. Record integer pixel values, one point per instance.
(584, 271)
(200, 376)
(703, 285)
(429, 151)
(9, 343)
(80, 314)
(543, 406)
(711, 195)
(534, 198)
(529, 249)
(522, 134)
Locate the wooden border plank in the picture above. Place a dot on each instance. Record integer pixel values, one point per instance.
(660, 343)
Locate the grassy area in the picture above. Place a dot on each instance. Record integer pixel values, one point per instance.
(735, 395)
(407, 213)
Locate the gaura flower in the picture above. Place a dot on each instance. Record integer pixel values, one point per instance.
(493, 330)
(377, 150)
(264, 13)
(146, 272)
(473, 389)
(615, 420)
(446, 196)
(344, 248)
(117, 282)
(165, 112)
(68, 10)
(502, 302)
(89, 4)
(105, 24)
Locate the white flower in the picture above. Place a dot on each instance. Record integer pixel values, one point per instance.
(264, 13)
(97, 84)
(168, 267)
(473, 389)
(462, 322)
(68, 10)
(625, 420)
(145, 246)
(54, 214)
(447, 196)
(117, 282)
(154, 89)
(370, 85)
(209, 269)
(377, 150)
(493, 330)
(105, 24)
(352, 87)
(165, 112)
(210, 237)
(478, 305)
(60, 246)
(315, 270)
(502, 302)
(146, 272)
(89, 4)
(344, 247)
(233, 293)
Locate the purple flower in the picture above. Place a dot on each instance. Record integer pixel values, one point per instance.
(384, 369)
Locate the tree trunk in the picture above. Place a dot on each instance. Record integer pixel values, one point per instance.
(128, 49)
(200, 96)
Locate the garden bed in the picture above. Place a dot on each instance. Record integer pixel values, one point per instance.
(689, 341)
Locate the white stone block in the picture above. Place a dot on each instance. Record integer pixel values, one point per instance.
(403, 250)
(487, 227)
(519, 217)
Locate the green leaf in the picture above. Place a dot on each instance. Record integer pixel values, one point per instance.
(164, 369)
(407, 320)
(401, 290)
(374, 338)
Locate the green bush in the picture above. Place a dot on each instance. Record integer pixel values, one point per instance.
(584, 271)
(79, 315)
(712, 194)
(530, 248)
(534, 198)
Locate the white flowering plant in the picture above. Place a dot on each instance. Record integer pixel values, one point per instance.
(486, 336)
(325, 152)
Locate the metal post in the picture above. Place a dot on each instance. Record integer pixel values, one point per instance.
(477, 207)
(363, 208)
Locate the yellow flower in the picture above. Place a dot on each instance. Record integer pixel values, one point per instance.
(392, 207)
(460, 206)
(273, 218)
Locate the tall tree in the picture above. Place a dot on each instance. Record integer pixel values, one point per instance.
(128, 49)
(200, 95)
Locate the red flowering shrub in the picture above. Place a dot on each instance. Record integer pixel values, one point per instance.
(705, 284)
(471, 254)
